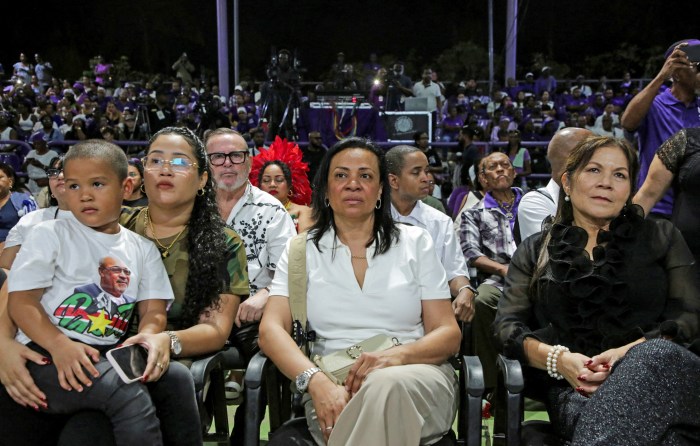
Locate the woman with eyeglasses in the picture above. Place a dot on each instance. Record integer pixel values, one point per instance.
(280, 172)
(138, 195)
(208, 282)
(56, 210)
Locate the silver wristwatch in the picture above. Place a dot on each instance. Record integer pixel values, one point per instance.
(175, 345)
(304, 377)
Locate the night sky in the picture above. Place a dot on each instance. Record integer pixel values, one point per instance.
(152, 33)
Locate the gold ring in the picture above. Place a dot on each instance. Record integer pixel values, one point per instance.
(329, 428)
(158, 364)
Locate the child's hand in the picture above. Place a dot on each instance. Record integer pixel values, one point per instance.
(72, 360)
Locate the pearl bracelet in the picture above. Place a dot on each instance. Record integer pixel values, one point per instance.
(552, 357)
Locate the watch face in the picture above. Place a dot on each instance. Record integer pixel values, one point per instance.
(303, 381)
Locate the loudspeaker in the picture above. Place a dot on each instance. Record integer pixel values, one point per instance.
(401, 125)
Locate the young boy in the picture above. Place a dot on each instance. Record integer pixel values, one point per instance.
(73, 288)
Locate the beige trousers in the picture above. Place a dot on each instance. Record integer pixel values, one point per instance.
(406, 405)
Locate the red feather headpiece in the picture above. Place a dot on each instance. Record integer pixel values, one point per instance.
(290, 154)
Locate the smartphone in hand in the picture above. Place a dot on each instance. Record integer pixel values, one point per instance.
(129, 362)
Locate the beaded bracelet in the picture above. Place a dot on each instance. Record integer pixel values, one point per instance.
(552, 357)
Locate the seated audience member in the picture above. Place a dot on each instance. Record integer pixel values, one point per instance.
(603, 301)
(451, 125)
(405, 394)
(78, 130)
(422, 141)
(36, 162)
(539, 204)
(7, 132)
(13, 205)
(264, 226)
(520, 158)
(475, 194)
(607, 129)
(206, 294)
(128, 279)
(56, 209)
(138, 196)
(280, 172)
(430, 199)
(409, 181)
(486, 238)
(675, 166)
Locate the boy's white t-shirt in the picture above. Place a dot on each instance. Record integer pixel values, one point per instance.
(63, 257)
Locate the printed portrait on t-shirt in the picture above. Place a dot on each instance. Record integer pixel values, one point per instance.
(100, 309)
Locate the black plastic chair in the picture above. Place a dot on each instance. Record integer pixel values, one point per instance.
(209, 378)
(510, 429)
(262, 376)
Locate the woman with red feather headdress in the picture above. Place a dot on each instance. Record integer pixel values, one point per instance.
(280, 172)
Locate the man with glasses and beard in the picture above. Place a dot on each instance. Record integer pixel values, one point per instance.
(264, 226)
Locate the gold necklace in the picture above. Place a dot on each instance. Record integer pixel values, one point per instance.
(358, 257)
(288, 204)
(164, 251)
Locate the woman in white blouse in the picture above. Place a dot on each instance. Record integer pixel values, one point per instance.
(368, 276)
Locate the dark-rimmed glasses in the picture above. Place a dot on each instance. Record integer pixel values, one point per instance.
(219, 158)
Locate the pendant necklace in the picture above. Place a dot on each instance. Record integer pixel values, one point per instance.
(164, 250)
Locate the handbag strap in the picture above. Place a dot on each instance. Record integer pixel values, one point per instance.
(297, 290)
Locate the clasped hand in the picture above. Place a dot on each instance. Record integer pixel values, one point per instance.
(586, 374)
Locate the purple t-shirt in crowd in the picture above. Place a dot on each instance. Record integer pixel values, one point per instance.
(666, 116)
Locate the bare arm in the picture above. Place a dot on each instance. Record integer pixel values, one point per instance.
(639, 105)
(329, 399)
(72, 359)
(486, 265)
(7, 257)
(463, 303)
(655, 185)
(213, 329)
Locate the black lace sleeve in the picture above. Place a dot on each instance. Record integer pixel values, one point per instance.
(515, 314)
(672, 150)
(680, 321)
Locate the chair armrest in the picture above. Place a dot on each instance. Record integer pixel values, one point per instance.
(254, 398)
(474, 387)
(202, 367)
(509, 402)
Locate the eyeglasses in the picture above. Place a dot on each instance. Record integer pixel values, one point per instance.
(53, 173)
(178, 165)
(219, 159)
(118, 270)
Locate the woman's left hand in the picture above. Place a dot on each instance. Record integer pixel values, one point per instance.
(366, 363)
(158, 346)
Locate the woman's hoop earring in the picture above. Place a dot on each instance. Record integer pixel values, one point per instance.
(379, 204)
(200, 192)
(327, 202)
(142, 188)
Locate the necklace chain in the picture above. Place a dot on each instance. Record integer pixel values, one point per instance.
(165, 250)
(507, 206)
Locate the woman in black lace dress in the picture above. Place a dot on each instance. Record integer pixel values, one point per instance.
(677, 164)
(592, 304)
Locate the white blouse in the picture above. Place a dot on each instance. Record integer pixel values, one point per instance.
(342, 314)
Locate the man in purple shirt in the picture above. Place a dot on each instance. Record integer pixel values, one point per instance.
(657, 116)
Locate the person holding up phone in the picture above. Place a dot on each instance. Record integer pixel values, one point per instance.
(655, 115)
(74, 287)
